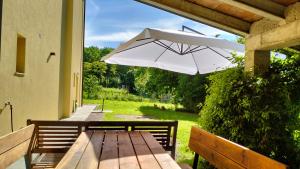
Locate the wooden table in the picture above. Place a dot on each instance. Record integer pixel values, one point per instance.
(116, 150)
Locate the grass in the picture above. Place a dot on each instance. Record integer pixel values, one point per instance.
(186, 120)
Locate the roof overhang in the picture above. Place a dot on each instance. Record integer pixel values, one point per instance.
(235, 16)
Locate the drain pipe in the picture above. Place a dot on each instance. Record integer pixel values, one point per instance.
(11, 114)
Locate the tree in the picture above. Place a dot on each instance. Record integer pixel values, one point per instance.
(191, 91)
(91, 54)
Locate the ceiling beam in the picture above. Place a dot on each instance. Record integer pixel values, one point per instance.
(256, 8)
(287, 35)
(202, 14)
(267, 5)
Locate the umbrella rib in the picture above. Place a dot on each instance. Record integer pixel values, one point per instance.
(193, 49)
(136, 46)
(167, 47)
(178, 48)
(181, 48)
(189, 46)
(162, 53)
(195, 62)
(218, 53)
(197, 50)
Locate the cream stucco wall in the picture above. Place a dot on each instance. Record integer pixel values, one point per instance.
(46, 89)
(73, 54)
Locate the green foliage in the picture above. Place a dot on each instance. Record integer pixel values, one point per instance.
(191, 91)
(91, 87)
(156, 83)
(261, 113)
(119, 94)
(93, 53)
(96, 69)
(107, 75)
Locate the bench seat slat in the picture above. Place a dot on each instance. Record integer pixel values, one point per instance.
(91, 155)
(71, 159)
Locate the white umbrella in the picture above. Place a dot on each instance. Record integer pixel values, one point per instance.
(176, 51)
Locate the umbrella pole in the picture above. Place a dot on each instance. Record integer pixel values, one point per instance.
(193, 30)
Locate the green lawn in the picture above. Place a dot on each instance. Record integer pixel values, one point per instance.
(186, 120)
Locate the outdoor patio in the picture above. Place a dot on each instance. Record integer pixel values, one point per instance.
(162, 99)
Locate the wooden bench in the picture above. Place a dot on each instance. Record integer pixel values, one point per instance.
(14, 146)
(51, 140)
(58, 136)
(224, 154)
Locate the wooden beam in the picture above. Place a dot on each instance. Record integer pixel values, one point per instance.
(287, 35)
(266, 5)
(202, 14)
(255, 8)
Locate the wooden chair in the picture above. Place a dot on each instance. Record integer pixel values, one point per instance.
(14, 146)
(224, 154)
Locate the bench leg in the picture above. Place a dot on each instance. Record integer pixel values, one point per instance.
(196, 159)
(27, 161)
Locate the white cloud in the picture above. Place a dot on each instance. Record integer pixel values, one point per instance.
(113, 37)
(173, 23)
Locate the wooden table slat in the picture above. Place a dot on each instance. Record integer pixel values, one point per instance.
(117, 150)
(109, 155)
(90, 158)
(144, 155)
(163, 158)
(127, 157)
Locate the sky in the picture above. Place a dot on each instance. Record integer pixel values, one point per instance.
(111, 22)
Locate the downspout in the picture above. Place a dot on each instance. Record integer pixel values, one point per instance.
(11, 114)
(83, 40)
(1, 12)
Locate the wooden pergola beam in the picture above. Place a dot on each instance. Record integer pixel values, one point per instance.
(287, 35)
(254, 7)
(266, 5)
(203, 15)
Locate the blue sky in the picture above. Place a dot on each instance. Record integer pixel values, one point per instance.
(111, 22)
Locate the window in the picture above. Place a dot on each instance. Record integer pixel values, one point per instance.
(21, 49)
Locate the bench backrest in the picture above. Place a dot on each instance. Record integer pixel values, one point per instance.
(15, 145)
(54, 136)
(58, 136)
(223, 153)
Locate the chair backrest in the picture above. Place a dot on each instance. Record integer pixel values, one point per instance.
(223, 153)
(58, 136)
(15, 145)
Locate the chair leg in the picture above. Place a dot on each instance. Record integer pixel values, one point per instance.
(196, 159)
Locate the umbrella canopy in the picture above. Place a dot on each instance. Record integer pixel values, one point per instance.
(177, 51)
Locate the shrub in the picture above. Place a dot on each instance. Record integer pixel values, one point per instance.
(254, 111)
(191, 92)
(90, 87)
(118, 94)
